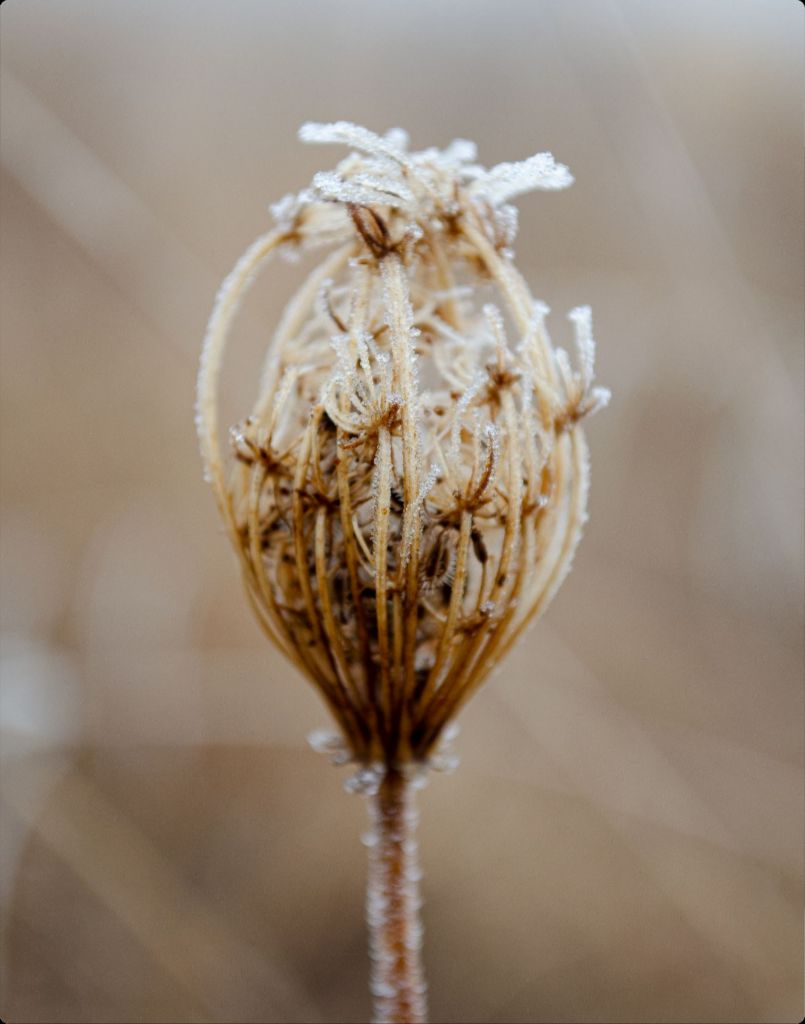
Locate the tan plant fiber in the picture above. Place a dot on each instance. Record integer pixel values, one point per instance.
(407, 494)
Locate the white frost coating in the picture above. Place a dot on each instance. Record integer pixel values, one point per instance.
(599, 399)
(432, 477)
(444, 758)
(422, 184)
(507, 180)
(345, 133)
(362, 190)
(322, 306)
(582, 397)
(286, 210)
(508, 218)
(330, 743)
(566, 374)
(492, 439)
(429, 482)
(397, 138)
(458, 425)
(366, 781)
(582, 319)
(460, 151)
(596, 398)
(494, 319)
(535, 330)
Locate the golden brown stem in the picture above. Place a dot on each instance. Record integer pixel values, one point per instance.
(395, 932)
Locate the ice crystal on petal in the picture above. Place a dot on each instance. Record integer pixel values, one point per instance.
(599, 399)
(430, 480)
(507, 217)
(346, 133)
(507, 180)
(360, 190)
(366, 781)
(582, 319)
(460, 151)
(492, 439)
(461, 407)
(397, 138)
(325, 741)
(445, 762)
(285, 210)
(565, 369)
(494, 320)
(444, 759)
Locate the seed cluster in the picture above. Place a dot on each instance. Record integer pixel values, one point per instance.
(408, 491)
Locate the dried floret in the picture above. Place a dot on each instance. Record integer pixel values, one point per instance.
(400, 438)
(407, 493)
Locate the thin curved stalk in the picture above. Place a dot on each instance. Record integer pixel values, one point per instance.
(226, 306)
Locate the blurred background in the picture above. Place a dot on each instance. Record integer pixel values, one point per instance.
(623, 840)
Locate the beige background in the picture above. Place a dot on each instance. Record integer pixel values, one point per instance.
(623, 840)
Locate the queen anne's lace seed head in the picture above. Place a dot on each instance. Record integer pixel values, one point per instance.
(408, 491)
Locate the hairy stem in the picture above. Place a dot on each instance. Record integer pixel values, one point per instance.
(395, 931)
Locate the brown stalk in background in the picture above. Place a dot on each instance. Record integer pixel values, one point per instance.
(409, 489)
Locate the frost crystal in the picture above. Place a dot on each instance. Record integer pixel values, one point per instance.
(325, 741)
(505, 181)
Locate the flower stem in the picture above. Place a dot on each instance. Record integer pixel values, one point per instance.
(392, 906)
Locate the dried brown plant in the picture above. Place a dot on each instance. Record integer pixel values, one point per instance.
(407, 494)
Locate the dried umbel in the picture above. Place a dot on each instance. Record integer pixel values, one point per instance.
(409, 489)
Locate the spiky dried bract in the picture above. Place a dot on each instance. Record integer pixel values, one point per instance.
(407, 494)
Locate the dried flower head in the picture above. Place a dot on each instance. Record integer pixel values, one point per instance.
(408, 491)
